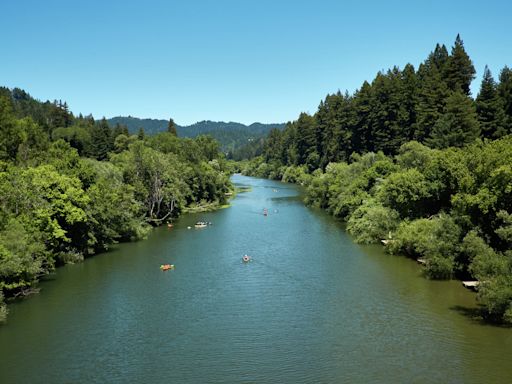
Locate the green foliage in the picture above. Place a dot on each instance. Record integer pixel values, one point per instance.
(505, 94)
(495, 295)
(436, 240)
(23, 256)
(458, 126)
(371, 222)
(293, 174)
(171, 128)
(459, 69)
(102, 141)
(489, 108)
(3, 308)
(414, 155)
(407, 192)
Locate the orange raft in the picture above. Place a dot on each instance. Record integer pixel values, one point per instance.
(166, 267)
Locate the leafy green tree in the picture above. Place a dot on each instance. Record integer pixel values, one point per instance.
(156, 180)
(3, 308)
(113, 214)
(22, 257)
(407, 192)
(436, 240)
(414, 155)
(371, 222)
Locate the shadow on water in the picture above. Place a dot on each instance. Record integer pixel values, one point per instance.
(472, 313)
(477, 316)
(287, 199)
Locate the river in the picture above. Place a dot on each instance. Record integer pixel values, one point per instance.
(310, 307)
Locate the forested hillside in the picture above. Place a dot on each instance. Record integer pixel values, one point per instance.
(414, 159)
(233, 137)
(71, 186)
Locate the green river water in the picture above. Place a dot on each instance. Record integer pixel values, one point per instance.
(311, 307)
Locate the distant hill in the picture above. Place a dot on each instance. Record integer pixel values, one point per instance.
(231, 136)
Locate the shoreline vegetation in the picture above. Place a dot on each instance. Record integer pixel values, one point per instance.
(205, 207)
(71, 186)
(413, 159)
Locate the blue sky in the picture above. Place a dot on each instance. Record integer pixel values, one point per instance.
(230, 60)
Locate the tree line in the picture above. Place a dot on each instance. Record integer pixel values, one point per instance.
(413, 159)
(71, 186)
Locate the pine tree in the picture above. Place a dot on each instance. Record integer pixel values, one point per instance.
(306, 140)
(458, 126)
(8, 131)
(432, 95)
(102, 141)
(141, 135)
(389, 115)
(362, 140)
(118, 130)
(407, 119)
(459, 69)
(489, 108)
(171, 128)
(335, 119)
(439, 57)
(505, 94)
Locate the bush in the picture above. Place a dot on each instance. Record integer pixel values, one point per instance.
(436, 240)
(439, 267)
(372, 222)
(3, 308)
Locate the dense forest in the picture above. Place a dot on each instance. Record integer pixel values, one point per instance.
(71, 186)
(235, 139)
(413, 159)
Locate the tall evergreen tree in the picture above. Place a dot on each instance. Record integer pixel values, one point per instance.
(141, 135)
(432, 94)
(387, 112)
(120, 129)
(362, 141)
(102, 141)
(459, 69)
(439, 57)
(407, 118)
(458, 126)
(8, 132)
(171, 127)
(306, 141)
(489, 108)
(335, 119)
(505, 94)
